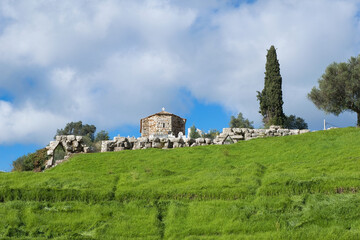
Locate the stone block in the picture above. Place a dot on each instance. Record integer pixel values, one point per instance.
(304, 131)
(223, 135)
(294, 131)
(274, 127)
(244, 130)
(237, 137)
(70, 137)
(200, 140)
(118, 149)
(120, 139)
(174, 140)
(236, 131)
(261, 131)
(227, 130)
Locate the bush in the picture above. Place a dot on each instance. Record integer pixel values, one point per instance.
(194, 132)
(212, 134)
(31, 162)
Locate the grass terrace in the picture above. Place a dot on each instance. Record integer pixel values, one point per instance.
(293, 187)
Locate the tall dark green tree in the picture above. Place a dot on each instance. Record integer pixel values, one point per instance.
(271, 96)
(339, 88)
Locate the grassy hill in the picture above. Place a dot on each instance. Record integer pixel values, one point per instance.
(294, 187)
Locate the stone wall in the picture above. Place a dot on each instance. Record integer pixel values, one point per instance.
(156, 125)
(162, 124)
(237, 134)
(228, 136)
(69, 143)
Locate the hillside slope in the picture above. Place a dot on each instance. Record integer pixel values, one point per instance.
(294, 187)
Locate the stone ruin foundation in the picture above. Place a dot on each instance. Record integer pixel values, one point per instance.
(228, 136)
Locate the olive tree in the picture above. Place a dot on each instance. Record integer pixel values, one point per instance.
(339, 88)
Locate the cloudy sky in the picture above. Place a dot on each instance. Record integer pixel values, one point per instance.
(112, 62)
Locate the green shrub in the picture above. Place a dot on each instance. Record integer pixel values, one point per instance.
(31, 162)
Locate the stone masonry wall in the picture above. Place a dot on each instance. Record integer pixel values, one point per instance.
(70, 143)
(228, 136)
(162, 125)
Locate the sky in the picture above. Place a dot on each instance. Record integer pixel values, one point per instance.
(112, 62)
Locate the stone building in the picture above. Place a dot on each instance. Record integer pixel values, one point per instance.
(162, 124)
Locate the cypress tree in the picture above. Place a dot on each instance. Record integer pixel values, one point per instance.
(271, 96)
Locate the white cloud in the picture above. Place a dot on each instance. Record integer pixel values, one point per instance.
(27, 124)
(109, 63)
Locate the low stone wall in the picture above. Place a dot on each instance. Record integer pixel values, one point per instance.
(237, 134)
(69, 143)
(228, 136)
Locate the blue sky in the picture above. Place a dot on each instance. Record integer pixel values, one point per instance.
(111, 63)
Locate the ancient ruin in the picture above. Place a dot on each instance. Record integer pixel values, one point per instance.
(162, 124)
(63, 147)
(161, 130)
(228, 136)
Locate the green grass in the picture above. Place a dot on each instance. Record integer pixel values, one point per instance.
(294, 187)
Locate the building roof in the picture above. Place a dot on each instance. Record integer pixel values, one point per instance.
(163, 112)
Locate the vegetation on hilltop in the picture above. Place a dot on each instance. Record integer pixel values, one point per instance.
(31, 162)
(294, 187)
(87, 131)
(240, 122)
(36, 161)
